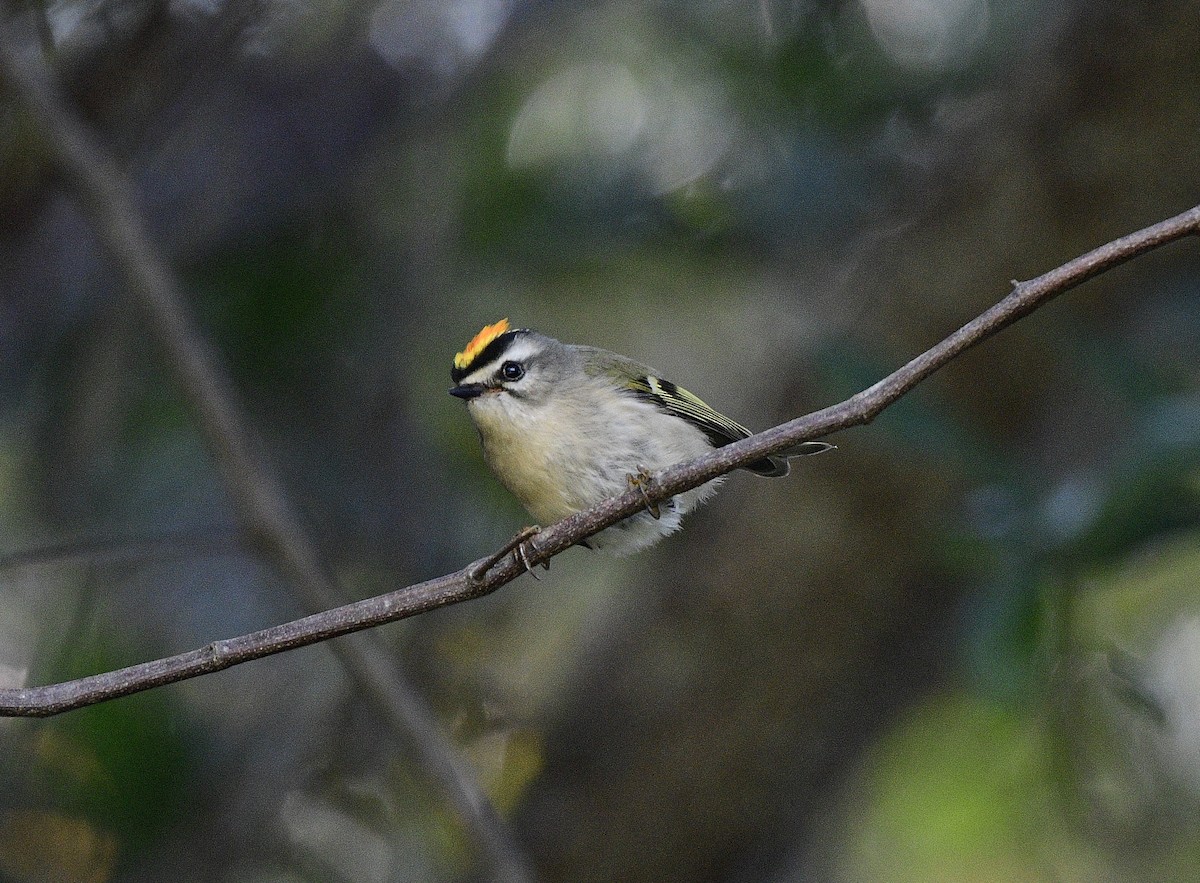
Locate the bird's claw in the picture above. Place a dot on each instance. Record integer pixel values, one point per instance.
(640, 481)
(521, 553)
(518, 546)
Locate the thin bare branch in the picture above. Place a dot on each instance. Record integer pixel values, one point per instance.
(258, 496)
(461, 586)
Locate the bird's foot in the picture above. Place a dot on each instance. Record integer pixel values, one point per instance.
(641, 481)
(523, 548)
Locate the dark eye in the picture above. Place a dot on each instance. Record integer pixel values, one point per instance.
(512, 371)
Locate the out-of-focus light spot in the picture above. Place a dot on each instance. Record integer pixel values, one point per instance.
(342, 842)
(195, 7)
(1072, 505)
(64, 19)
(439, 36)
(82, 25)
(13, 676)
(667, 130)
(1174, 678)
(585, 111)
(1174, 422)
(690, 133)
(927, 34)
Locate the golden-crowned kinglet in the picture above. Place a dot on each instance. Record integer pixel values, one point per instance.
(566, 426)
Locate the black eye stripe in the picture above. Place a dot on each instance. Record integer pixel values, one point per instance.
(490, 353)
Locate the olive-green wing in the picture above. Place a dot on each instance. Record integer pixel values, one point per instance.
(676, 400)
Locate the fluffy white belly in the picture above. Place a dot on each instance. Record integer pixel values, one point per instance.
(558, 462)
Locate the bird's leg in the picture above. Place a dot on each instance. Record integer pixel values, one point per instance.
(640, 481)
(517, 545)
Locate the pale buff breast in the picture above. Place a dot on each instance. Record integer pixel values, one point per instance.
(532, 449)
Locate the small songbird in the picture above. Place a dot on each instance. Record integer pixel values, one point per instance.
(565, 426)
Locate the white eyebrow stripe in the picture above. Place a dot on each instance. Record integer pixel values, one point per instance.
(518, 351)
(480, 374)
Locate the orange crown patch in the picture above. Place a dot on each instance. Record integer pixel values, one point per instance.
(479, 342)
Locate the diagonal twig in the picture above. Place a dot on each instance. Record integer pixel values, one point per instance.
(489, 573)
(257, 494)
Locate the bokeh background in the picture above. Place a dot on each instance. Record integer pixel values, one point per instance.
(963, 647)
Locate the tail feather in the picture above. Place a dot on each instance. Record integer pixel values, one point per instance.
(769, 467)
(778, 466)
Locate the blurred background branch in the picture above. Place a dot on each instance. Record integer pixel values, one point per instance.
(259, 498)
(100, 551)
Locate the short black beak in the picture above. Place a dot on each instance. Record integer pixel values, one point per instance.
(467, 391)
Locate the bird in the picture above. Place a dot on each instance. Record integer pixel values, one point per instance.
(565, 426)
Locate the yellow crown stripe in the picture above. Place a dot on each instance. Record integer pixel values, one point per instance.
(479, 342)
